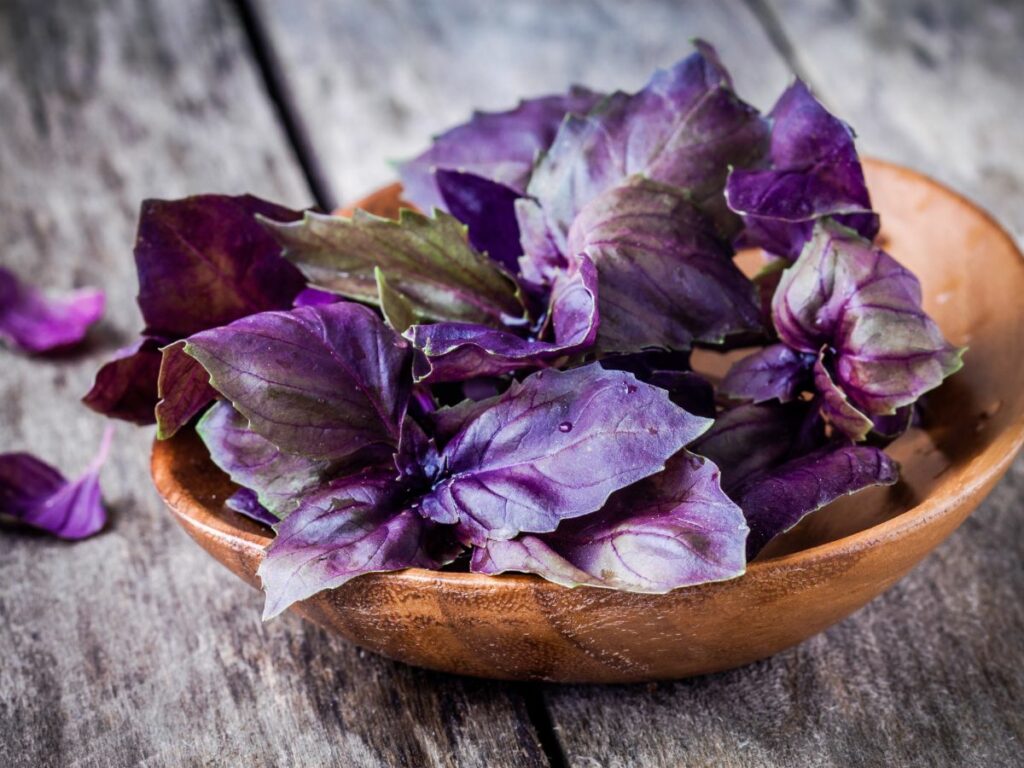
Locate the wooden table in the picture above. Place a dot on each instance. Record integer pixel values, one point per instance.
(135, 648)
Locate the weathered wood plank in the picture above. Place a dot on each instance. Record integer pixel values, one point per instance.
(373, 82)
(134, 647)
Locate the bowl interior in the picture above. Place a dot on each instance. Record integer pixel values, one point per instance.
(972, 277)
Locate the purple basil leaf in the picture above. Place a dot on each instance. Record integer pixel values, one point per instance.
(674, 529)
(460, 351)
(815, 172)
(750, 439)
(489, 210)
(324, 382)
(38, 323)
(554, 447)
(542, 258)
(836, 407)
(497, 146)
(205, 261)
(666, 279)
(416, 459)
(773, 373)
(350, 527)
(126, 386)
(279, 479)
(857, 306)
(246, 502)
(314, 297)
(775, 501)
(685, 128)
(34, 493)
(184, 390)
(426, 259)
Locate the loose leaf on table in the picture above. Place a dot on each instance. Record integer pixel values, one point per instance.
(37, 494)
(774, 372)
(461, 351)
(205, 261)
(666, 279)
(126, 386)
(425, 258)
(685, 128)
(277, 478)
(37, 323)
(500, 147)
(674, 529)
(815, 172)
(860, 309)
(352, 526)
(326, 382)
(555, 447)
(776, 500)
(488, 209)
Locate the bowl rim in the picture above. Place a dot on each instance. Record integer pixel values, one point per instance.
(999, 455)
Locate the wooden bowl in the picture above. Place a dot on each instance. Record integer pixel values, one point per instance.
(523, 628)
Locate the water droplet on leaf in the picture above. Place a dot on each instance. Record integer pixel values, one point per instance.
(565, 426)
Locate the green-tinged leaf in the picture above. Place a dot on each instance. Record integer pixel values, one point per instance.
(428, 259)
(394, 305)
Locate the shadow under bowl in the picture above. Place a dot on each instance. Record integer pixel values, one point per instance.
(521, 627)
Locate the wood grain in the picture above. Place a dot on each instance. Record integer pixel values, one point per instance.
(134, 647)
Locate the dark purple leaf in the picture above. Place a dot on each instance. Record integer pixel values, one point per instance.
(775, 501)
(685, 128)
(773, 373)
(279, 479)
(815, 172)
(666, 279)
(669, 371)
(352, 526)
(861, 311)
(184, 390)
(246, 502)
(489, 210)
(674, 529)
(34, 493)
(497, 146)
(552, 448)
(126, 386)
(204, 261)
(314, 297)
(38, 323)
(324, 382)
(460, 351)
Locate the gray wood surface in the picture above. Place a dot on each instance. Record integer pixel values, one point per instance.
(134, 647)
(930, 674)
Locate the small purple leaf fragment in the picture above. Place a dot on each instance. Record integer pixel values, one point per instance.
(815, 172)
(350, 527)
(34, 493)
(776, 372)
(674, 529)
(326, 382)
(489, 210)
(314, 297)
(555, 447)
(126, 386)
(39, 323)
(246, 502)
